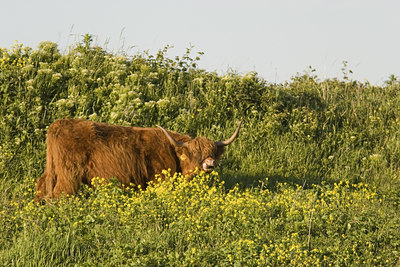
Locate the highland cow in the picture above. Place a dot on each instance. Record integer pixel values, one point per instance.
(78, 150)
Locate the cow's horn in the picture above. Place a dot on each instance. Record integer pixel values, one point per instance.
(230, 140)
(170, 138)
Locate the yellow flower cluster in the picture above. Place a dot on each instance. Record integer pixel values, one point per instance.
(251, 226)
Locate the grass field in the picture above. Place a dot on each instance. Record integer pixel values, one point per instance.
(312, 180)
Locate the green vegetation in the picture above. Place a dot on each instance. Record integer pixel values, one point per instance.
(313, 179)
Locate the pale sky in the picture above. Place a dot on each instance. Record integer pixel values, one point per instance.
(277, 39)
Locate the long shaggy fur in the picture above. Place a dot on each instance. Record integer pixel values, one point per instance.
(78, 150)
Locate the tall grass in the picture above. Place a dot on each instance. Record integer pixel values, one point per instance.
(311, 152)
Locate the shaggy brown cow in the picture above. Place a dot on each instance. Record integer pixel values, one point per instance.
(78, 150)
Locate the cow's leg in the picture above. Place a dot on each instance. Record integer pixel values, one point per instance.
(68, 181)
(63, 189)
(45, 185)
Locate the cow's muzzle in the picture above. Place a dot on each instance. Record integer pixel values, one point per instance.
(209, 164)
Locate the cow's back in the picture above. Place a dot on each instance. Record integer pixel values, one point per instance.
(78, 150)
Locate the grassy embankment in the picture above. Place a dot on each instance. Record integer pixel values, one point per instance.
(314, 177)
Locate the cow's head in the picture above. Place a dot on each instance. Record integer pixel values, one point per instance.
(200, 152)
